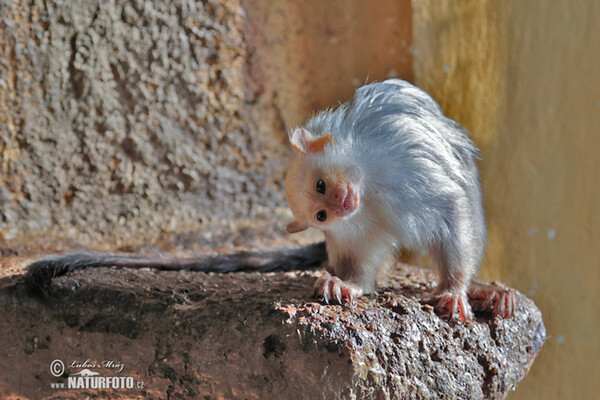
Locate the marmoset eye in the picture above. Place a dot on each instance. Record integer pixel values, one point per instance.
(321, 186)
(322, 215)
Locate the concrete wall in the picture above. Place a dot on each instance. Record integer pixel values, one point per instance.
(123, 120)
(524, 77)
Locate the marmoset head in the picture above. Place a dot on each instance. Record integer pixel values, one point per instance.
(320, 191)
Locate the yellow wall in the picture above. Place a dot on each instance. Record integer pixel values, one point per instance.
(524, 77)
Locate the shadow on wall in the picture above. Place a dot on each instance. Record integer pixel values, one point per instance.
(310, 55)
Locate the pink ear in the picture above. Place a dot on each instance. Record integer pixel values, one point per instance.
(295, 227)
(304, 142)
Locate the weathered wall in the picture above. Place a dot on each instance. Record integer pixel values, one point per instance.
(121, 120)
(524, 78)
(125, 119)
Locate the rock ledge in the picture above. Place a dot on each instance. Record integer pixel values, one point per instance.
(255, 336)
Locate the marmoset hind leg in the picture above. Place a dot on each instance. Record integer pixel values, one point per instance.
(457, 264)
(458, 254)
(449, 298)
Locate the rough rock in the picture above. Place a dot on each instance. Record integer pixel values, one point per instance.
(253, 336)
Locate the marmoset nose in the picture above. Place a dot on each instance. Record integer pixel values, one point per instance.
(338, 195)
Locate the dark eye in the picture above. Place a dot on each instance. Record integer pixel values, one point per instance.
(321, 187)
(322, 215)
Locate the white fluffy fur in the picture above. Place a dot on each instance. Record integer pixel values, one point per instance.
(419, 186)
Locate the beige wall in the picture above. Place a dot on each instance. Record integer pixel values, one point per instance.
(310, 54)
(524, 77)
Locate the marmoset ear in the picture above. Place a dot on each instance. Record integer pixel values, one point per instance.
(295, 227)
(304, 142)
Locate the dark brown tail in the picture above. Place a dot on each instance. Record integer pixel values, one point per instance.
(40, 273)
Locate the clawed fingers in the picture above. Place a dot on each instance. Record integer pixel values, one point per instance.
(333, 289)
(452, 307)
(494, 299)
(505, 304)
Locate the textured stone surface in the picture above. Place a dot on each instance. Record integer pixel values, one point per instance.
(252, 336)
(127, 119)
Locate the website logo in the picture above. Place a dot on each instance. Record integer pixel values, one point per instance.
(91, 374)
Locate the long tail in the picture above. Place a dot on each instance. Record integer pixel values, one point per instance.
(40, 273)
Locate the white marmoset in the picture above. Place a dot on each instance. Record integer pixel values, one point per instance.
(388, 170)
